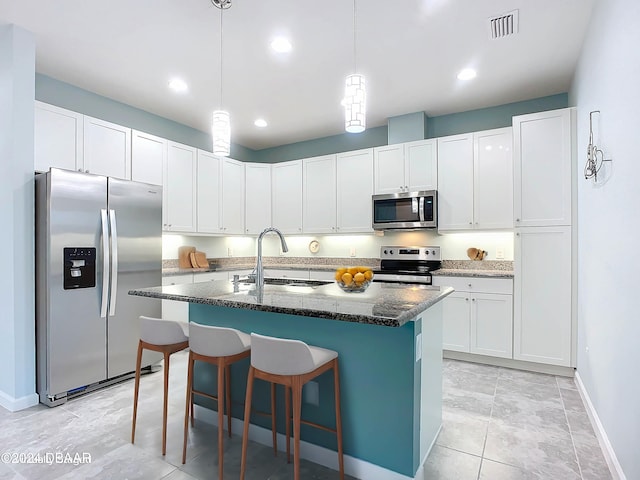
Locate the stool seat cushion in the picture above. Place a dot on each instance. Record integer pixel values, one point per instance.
(217, 341)
(282, 356)
(157, 331)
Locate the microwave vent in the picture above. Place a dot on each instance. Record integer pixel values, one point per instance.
(503, 25)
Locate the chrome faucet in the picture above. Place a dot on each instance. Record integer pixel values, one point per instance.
(259, 269)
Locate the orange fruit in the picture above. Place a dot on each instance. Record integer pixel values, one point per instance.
(338, 275)
(362, 269)
(359, 277)
(347, 278)
(352, 270)
(368, 274)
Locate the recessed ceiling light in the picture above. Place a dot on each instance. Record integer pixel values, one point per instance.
(281, 45)
(261, 122)
(467, 74)
(178, 85)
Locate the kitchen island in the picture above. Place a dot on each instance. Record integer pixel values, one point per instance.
(389, 341)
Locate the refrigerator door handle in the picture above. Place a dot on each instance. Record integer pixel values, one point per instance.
(105, 263)
(114, 263)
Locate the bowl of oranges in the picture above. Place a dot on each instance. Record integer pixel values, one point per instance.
(354, 279)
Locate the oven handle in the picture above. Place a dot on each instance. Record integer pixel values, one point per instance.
(421, 208)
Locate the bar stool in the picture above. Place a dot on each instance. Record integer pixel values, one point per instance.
(222, 347)
(291, 363)
(167, 337)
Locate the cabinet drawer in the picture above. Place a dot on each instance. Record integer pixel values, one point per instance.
(177, 279)
(209, 276)
(476, 284)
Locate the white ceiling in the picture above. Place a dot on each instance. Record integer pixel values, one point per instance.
(409, 50)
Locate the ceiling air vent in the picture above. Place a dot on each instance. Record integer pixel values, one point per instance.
(503, 25)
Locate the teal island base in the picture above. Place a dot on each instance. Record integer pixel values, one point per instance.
(391, 388)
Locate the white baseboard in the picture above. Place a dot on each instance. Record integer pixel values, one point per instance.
(14, 404)
(509, 363)
(603, 439)
(323, 456)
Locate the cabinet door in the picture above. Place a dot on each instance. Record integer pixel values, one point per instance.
(148, 156)
(209, 277)
(232, 196)
(179, 191)
(107, 148)
(389, 169)
(492, 325)
(173, 309)
(455, 182)
(493, 179)
(58, 138)
(286, 273)
(208, 194)
(319, 191)
(542, 324)
(354, 176)
(257, 197)
(421, 161)
(286, 196)
(542, 145)
(456, 315)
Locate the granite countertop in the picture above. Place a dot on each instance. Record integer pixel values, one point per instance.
(386, 304)
(468, 272)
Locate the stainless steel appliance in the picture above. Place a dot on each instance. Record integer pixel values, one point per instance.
(407, 264)
(96, 238)
(407, 210)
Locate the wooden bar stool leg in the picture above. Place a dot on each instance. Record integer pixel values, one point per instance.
(274, 436)
(336, 390)
(165, 403)
(228, 409)
(188, 403)
(297, 414)
(247, 418)
(287, 403)
(135, 392)
(221, 370)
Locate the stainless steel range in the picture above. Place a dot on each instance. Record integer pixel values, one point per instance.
(407, 264)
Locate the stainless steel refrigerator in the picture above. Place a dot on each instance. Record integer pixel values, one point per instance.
(96, 239)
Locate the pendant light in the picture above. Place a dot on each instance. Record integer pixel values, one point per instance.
(355, 94)
(221, 124)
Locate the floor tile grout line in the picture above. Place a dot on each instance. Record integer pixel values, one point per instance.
(486, 434)
(573, 443)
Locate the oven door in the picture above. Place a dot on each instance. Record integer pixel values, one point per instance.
(405, 210)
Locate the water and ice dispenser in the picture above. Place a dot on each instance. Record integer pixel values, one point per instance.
(79, 264)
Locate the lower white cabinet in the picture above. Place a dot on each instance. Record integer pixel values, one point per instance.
(172, 309)
(209, 276)
(478, 316)
(286, 273)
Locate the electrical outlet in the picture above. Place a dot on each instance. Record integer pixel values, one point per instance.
(230, 252)
(499, 253)
(311, 393)
(418, 346)
(352, 251)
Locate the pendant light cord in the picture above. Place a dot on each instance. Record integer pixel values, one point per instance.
(355, 65)
(221, 37)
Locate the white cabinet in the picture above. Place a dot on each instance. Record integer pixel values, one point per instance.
(543, 295)
(286, 273)
(257, 197)
(107, 148)
(58, 138)
(173, 309)
(322, 275)
(478, 316)
(406, 167)
(148, 156)
(543, 174)
(319, 194)
(179, 193)
(209, 276)
(475, 181)
(286, 196)
(354, 180)
(208, 195)
(232, 201)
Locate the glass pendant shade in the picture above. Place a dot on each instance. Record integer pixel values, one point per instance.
(355, 104)
(221, 132)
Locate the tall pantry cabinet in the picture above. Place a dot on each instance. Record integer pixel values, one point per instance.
(544, 260)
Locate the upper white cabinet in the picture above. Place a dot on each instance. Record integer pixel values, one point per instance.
(257, 197)
(319, 194)
(107, 148)
(58, 138)
(208, 188)
(179, 192)
(543, 177)
(475, 181)
(148, 156)
(354, 177)
(233, 184)
(406, 167)
(286, 196)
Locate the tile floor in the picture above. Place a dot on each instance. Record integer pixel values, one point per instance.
(497, 424)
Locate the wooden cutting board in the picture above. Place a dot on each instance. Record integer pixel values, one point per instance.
(183, 256)
(201, 260)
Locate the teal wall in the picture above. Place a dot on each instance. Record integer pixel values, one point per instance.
(407, 128)
(377, 381)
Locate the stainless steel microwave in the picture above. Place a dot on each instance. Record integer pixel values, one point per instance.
(407, 210)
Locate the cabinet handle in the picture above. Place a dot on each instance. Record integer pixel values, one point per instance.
(518, 234)
(517, 219)
(470, 223)
(466, 299)
(469, 285)
(86, 171)
(473, 299)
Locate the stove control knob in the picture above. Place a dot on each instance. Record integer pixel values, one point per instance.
(433, 252)
(391, 252)
(427, 252)
(384, 251)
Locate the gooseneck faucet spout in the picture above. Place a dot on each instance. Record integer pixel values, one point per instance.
(259, 269)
